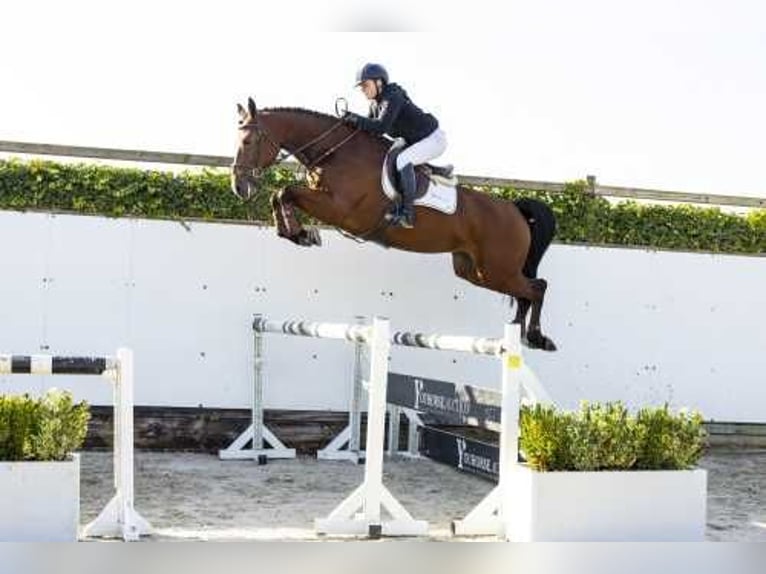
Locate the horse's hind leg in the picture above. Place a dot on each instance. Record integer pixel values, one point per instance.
(522, 308)
(535, 335)
(529, 293)
(532, 292)
(542, 227)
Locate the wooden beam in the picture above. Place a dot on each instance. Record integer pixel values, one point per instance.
(115, 154)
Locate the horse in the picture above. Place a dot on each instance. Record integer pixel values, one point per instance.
(496, 244)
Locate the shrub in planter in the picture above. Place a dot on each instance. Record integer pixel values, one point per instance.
(607, 437)
(629, 475)
(48, 428)
(39, 472)
(671, 441)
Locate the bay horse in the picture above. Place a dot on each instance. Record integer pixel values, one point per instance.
(495, 243)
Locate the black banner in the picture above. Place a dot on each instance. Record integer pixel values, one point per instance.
(449, 403)
(460, 452)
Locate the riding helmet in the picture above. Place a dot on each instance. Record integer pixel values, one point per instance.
(372, 72)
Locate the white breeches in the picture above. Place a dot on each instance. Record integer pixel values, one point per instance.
(423, 151)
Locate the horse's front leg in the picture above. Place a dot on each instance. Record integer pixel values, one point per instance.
(317, 203)
(278, 213)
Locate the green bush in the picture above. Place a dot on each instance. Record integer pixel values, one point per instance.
(544, 437)
(606, 437)
(672, 440)
(123, 192)
(582, 218)
(48, 428)
(585, 218)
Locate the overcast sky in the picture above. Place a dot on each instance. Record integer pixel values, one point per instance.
(663, 94)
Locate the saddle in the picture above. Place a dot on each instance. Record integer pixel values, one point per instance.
(425, 174)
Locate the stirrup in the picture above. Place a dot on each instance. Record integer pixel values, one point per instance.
(403, 220)
(445, 171)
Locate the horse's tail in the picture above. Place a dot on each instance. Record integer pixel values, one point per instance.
(542, 226)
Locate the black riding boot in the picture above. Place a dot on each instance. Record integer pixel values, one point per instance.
(409, 188)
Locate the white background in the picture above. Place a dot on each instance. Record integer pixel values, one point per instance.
(645, 327)
(663, 94)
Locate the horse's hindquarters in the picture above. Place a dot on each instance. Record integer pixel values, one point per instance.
(542, 228)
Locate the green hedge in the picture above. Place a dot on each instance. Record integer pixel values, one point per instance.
(582, 218)
(607, 437)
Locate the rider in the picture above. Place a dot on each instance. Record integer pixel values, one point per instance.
(393, 113)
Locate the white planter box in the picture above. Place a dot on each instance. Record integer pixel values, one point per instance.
(40, 501)
(606, 506)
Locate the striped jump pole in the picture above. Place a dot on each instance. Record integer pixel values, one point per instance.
(342, 331)
(119, 517)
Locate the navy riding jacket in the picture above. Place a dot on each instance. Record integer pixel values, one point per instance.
(393, 113)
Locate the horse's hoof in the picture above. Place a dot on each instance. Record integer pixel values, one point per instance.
(314, 237)
(549, 345)
(536, 340)
(307, 237)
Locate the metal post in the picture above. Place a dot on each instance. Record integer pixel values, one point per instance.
(355, 409)
(591, 179)
(257, 409)
(346, 444)
(394, 423)
(257, 433)
(413, 448)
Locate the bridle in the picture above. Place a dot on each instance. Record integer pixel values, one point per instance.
(253, 172)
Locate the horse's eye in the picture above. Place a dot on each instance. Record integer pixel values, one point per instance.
(247, 141)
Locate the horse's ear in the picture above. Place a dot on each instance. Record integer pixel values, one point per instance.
(251, 107)
(242, 112)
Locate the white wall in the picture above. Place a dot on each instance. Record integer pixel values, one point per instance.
(641, 326)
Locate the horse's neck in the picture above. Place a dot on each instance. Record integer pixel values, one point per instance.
(295, 130)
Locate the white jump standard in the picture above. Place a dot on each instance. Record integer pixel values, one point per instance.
(119, 517)
(361, 513)
(487, 517)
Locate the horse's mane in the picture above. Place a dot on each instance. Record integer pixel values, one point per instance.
(298, 110)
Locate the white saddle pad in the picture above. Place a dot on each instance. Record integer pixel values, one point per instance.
(440, 195)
